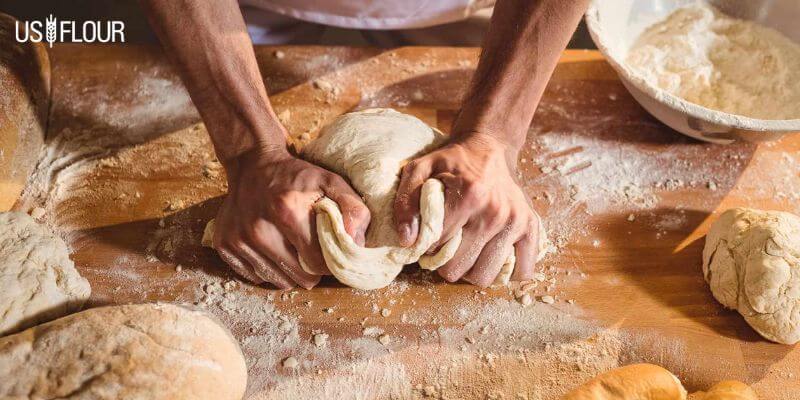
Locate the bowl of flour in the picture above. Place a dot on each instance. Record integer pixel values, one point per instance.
(717, 71)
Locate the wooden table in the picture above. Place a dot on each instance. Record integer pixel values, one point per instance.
(134, 199)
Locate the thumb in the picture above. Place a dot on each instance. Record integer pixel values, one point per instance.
(355, 214)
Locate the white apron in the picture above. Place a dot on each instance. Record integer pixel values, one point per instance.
(373, 14)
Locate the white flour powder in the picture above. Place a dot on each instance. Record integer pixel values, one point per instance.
(721, 63)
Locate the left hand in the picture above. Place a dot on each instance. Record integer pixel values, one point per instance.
(482, 198)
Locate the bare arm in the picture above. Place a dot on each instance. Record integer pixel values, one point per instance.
(483, 199)
(520, 52)
(208, 43)
(264, 226)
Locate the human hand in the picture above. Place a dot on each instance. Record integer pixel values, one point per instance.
(482, 198)
(267, 219)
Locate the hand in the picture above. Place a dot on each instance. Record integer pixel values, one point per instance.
(483, 199)
(267, 219)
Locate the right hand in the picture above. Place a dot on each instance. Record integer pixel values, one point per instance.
(267, 219)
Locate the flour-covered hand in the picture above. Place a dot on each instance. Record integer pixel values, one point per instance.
(266, 224)
(482, 198)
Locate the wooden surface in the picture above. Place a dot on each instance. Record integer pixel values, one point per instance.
(642, 276)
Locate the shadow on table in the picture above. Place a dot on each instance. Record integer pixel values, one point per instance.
(670, 272)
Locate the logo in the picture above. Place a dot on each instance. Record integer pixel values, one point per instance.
(52, 30)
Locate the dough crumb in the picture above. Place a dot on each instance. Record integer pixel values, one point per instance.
(290, 362)
(37, 213)
(526, 300)
(321, 339)
(372, 331)
(547, 299)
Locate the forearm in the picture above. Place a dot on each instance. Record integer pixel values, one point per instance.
(209, 44)
(520, 52)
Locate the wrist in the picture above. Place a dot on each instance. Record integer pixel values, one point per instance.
(259, 155)
(483, 142)
(505, 130)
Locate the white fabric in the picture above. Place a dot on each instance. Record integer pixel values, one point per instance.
(373, 14)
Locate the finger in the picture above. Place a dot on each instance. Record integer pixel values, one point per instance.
(491, 260)
(527, 252)
(302, 236)
(355, 214)
(265, 268)
(266, 239)
(457, 212)
(472, 243)
(219, 243)
(406, 201)
(242, 268)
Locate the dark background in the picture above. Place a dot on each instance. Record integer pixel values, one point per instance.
(137, 30)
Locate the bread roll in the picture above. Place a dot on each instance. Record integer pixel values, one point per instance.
(146, 351)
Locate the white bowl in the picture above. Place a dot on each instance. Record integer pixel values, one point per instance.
(616, 24)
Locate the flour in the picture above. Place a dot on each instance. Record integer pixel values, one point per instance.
(722, 63)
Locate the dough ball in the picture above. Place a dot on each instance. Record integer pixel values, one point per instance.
(144, 351)
(751, 262)
(38, 281)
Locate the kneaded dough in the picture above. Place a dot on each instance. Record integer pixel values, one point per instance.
(751, 262)
(369, 148)
(38, 281)
(144, 351)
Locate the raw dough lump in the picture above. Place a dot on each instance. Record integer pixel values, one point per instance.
(38, 281)
(751, 261)
(369, 148)
(145, 351)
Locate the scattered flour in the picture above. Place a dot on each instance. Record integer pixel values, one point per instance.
(722, 63)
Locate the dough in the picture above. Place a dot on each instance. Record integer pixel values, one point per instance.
(369, 148)
(637, 381)
(145, 351)
(751, 262)
(38, 281)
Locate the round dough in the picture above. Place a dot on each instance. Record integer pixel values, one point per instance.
(38, 281)
(145, 351)
(751, 262)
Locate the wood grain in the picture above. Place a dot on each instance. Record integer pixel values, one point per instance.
(641, 276)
